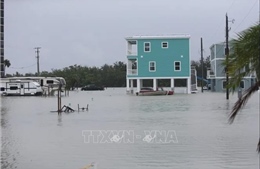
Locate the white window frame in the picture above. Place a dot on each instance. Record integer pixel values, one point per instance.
(166, 46)
(223, 84)
(243, 84)
(175, 66)
(149, 46)
(150, 66)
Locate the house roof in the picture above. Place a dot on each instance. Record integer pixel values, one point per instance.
(173, 36)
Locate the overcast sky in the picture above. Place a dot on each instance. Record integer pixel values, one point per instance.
(92, 32)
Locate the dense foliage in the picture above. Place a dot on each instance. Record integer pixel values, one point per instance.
(106, 75)
(78, 76)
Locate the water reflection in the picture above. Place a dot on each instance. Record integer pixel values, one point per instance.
(205, 140)
(8, 146)
(59, 120)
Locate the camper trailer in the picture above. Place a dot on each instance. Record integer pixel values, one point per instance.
(20, 88)
(48, 84)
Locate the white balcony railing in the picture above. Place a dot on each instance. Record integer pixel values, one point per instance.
(210, 74)
(132, 53)
(132, 72)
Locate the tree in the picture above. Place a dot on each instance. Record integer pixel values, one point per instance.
(7, 63)
(244, 60)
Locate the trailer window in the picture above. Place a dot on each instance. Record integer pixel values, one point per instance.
(13, 87)
(49, 81)
(2, 89)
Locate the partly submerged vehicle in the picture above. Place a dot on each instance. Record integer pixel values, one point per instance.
(148, 91)
(92, 87)
(48, 84)
(20, 88)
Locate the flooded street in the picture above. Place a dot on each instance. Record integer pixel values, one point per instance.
(35, 138)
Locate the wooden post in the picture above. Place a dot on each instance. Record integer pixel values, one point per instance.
(59, 99)
(59, 108)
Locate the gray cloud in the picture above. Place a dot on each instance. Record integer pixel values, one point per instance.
(92, 32)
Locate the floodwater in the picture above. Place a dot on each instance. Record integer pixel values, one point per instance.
(35, 138)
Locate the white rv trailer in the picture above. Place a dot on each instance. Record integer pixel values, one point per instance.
(48, 84)
(20, 88)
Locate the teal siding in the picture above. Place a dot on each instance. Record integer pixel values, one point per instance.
(220, 69)
(217, 85)
(220, 51)
(220, 75)
(212, 52)
(164, 58)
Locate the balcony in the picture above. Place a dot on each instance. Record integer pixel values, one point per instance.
(131, 48)
(132, 72)
(131, 53)
(132, 67)
(210, 74)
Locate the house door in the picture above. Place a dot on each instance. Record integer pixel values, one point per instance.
(22, 89)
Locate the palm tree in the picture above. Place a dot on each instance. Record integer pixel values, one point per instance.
(245, 55)
(7, 63)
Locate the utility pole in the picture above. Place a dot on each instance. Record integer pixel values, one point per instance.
(259, 48)
(201, 52)
(227, 53)
(38, 58)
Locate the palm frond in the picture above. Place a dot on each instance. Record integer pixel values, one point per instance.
(242, 101)
(244, 56)
(258, 146)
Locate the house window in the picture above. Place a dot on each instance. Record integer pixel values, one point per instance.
(2, 89)
(224, 84)
(164, 44)
(152, 66)
(147, 47)
(242, 84)
(177, 66)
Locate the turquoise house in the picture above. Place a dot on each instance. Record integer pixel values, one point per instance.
(158, 57)
(216, 73)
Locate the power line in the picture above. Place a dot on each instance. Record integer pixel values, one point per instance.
(22, 67)
(246, 16)
(231, 5)
(220, 26)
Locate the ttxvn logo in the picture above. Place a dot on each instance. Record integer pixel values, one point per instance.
(129, 136)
